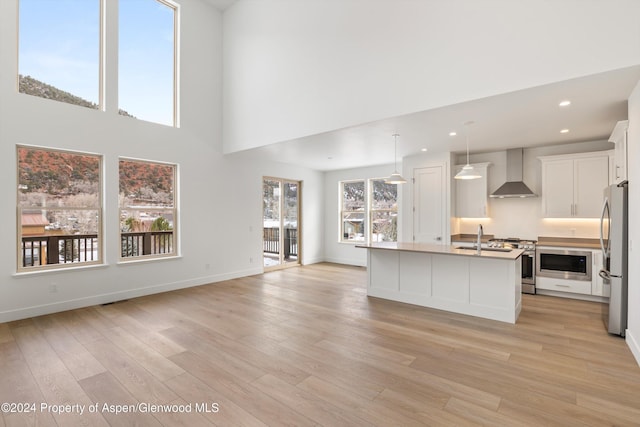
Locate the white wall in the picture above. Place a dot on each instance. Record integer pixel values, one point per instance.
(295, 68)
(220, 197)
(633, 331)
(523, 217)
(347, 253)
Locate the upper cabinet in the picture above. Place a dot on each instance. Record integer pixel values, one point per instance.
(573, 184)
(619, 138)
(471, 194)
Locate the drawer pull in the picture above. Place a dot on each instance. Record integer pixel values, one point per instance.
(562, 286)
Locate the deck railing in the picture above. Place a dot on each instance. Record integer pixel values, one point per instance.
(59, 249)
(146, 243)
(271, 241)
(64, 249)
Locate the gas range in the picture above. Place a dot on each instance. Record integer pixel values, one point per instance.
(528, 259)
(513, 243)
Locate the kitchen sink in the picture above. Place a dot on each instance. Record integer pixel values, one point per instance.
(485, 249)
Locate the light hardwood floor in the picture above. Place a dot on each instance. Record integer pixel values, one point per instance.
(305, 346)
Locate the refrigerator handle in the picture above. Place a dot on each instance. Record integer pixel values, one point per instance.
(605, 206)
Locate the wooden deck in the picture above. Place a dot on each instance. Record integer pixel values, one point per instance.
(305, 346)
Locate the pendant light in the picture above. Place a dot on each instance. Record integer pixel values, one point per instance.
(467, 171)
(395, 177)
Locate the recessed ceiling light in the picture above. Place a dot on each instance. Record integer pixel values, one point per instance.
(564, 131)
(452, 133)
(423, 149)
(565, 103)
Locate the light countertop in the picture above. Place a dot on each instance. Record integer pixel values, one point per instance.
(569, 242)
(443, 249)
(471, 238)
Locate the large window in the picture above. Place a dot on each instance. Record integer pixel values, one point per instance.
(59, 208)
(60, 53)
(368, 211)
(383, 211)
(353, 211)
(59, 50)
(147, 60)
(148, 212)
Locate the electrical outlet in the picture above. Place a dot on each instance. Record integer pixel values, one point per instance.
(250, 260)
(53, 288)
(207, 266)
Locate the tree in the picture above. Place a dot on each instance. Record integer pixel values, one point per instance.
(160, 224)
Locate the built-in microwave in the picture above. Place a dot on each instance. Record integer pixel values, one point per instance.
(563, 264)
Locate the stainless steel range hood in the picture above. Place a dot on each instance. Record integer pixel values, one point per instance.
(514, 187)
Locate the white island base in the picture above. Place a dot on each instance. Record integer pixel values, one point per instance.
(442, 277)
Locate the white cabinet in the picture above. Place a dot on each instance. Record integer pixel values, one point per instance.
(597, 282)
(564, 285)
(572, 184)
(471, 194)
(619, 138)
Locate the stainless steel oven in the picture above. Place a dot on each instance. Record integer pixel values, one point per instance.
(528, 259)
(563, 264)
(528, 268)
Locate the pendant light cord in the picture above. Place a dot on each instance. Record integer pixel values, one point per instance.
(467, 125)
(395, 152)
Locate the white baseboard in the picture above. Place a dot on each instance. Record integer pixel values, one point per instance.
(571, 295)
(632, 342)
(39, 310)
(310, 261)
(359, 263)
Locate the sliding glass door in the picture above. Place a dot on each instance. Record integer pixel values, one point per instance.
(281, 222)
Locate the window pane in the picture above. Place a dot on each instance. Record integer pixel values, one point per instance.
(353, 226)
(146, 60)
(142, 220)
(59, 50)
(46, 241)
(353, 196)
(57, 178)
(384, 196)
(271, 204)
(146, 183)
(384, 226)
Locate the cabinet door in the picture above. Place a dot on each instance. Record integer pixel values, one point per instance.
(471, 195)
(619, 138)
(620, 156)
(557, 189)
(596, 281)
(591, 177)
(429, 202)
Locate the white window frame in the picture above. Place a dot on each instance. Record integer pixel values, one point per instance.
(342, 212)
(367, 212)
(174, 242)
(99, 247)
(176, 62)
(372, 211)
(100, 54)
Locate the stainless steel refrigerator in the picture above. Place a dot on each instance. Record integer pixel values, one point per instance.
(614, 243)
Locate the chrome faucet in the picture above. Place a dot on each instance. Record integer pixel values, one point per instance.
(480, 232)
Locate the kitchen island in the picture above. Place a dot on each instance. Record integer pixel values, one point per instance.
(448, 278)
